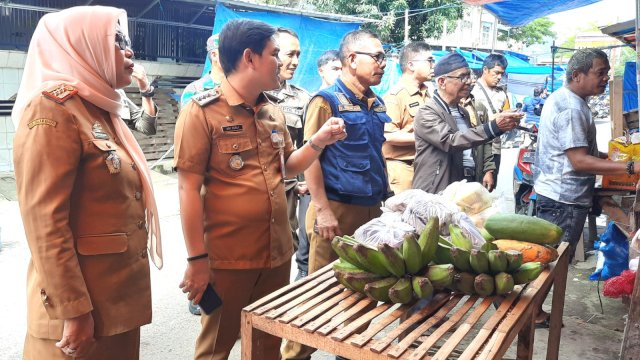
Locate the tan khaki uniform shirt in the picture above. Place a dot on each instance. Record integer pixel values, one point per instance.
(230, 143)
(402, 102)
(83, 218)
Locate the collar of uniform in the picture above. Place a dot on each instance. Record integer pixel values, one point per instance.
(287, 90)
(411, 88)
(234, 99)
(467, 101)
(369, 98)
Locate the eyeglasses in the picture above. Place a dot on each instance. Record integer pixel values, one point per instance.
(429, 60)
(462, 78)
(122, 41)
(378, 57)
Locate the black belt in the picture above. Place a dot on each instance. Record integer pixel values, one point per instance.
(469, 172)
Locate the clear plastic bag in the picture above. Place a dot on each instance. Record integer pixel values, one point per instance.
(480, 218)
(398, 203)
(469, 229)
(388, 228)
(470, 197)
(424, 206)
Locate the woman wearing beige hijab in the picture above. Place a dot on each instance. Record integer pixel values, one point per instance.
(84, 191)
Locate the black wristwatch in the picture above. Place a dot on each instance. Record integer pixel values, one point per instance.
(149, 93)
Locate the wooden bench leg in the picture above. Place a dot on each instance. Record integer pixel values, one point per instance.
(557, 306)
(252, 340)
(526, 337)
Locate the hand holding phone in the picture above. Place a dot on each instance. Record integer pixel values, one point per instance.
(210, 300)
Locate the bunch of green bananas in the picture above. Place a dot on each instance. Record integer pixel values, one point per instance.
(400, 275)
(385, 273)
(485, 271)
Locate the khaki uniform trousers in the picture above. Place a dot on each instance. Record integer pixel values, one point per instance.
(292, 212)
(115, 347)
(400, 175)
(238, 288)
(350, 218)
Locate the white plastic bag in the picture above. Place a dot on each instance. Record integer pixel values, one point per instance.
(398, 203)
(424, 206)
(480, 218)
(470, 197)
(388, 228)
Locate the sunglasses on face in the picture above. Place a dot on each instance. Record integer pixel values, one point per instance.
(378, 57)
(122, 41)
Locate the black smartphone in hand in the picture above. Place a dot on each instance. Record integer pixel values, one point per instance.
(210, 300)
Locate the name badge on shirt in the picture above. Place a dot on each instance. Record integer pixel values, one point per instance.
(232, 128)
(412, 105)
(380, 108)
(348, 108)
(98, 133)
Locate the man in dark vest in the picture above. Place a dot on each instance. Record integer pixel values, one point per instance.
(348, 182)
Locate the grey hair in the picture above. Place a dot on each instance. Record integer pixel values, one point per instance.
(582, 61)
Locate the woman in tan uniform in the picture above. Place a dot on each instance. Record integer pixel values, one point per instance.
(84, 191)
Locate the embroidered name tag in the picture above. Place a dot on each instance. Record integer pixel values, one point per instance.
(232, 128)
(380, 108)
(349, 108)
(412, 105)
(37, 122)
(292, 110)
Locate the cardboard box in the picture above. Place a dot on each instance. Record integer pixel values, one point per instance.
(620, 182)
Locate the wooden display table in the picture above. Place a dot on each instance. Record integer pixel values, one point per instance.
(319, 312)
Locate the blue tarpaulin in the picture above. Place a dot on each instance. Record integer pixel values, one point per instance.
(316, 36)
(629, 88)
(519, 12)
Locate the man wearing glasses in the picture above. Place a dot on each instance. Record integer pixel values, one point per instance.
(348, 182)
(444, 136)
(403, 102)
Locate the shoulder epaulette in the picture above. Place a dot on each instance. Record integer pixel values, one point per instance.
(300, 89)
(60, 93)
(206, 97)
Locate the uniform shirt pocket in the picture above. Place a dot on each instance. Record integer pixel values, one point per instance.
(354, 179)
(102, 244)
(233, 154)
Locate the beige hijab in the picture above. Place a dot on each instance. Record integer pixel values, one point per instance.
(76, 46)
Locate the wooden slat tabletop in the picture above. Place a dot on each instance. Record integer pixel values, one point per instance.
(320, 312)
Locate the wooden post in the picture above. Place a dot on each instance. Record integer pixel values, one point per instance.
(615, 101)
(557, 304)
(631, 340)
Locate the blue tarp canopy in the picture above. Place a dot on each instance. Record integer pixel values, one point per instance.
(629, 88)
(522, 12)
(316, 36)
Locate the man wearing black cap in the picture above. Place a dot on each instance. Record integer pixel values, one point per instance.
(444, 136)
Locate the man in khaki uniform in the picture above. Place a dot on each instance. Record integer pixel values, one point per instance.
(348, 183)
(235, 142)
(403, 102)
(292, 100)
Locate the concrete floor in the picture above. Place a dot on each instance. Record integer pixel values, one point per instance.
(588, 334)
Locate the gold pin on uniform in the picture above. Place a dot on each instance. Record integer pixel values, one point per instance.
(236, 162)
